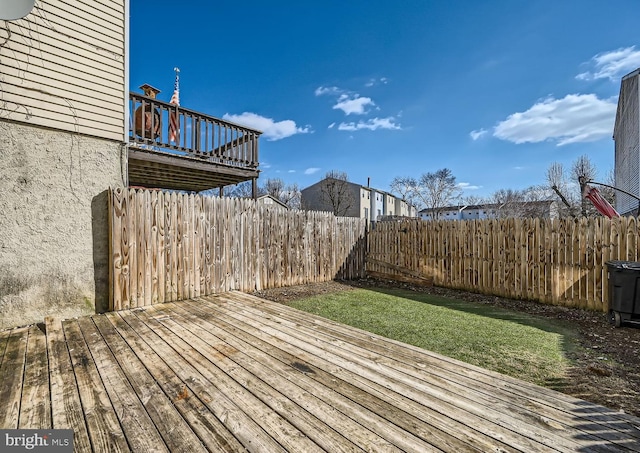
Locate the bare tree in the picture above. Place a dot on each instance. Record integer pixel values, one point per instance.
(437, 190)
(508, 203)
(274, 187)
(560, 184)
(557, 181)
(527, 203)
(405, 187)
(244, 190)
(570, 189)
(608, 193)
(474, 200)
(288, 194)
(291, 196)
(584, 171)
(335, 193)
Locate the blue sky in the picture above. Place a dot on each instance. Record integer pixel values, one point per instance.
(493, 90)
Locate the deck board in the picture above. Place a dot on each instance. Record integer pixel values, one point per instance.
(243, 427)
(237, 373)
(283, 388)
(455, 388)
(137, 426)
(175, 431)
(103, 425)
(209, 429)
(322, 386)
(36, 400)
(11, 377)
(278, 428)
(394, 386)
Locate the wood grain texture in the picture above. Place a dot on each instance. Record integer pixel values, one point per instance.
(167, 246)
(233, 372)
(560, 262)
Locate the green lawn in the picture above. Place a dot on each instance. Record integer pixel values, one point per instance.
(517, 344)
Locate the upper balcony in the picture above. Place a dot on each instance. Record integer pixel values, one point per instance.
(171, 147)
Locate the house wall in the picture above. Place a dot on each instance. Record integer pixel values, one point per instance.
(62, 132)
(365, 203)
(53, 222)
(377, 204)
(312, 199)
(627, 144)
(402, 208)
(63, 67)
(389, 204)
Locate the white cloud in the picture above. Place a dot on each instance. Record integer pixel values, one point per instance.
(311, 170)
(576, 118)
(475, 135)
(518, 168)
(356, 105)
(291, 171)
(271, 130)
(613, 64)
(265, 165)
(331, 125)
(373, 82)
(327, 90)
(467, 186)
(371, 124)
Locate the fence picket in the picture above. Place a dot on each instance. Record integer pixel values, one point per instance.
(168, 246)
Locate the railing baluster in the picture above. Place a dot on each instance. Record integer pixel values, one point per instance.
(197, 134)
(206, 136)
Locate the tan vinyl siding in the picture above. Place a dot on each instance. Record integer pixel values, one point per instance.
(63, 67)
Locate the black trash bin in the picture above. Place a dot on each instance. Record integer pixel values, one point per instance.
(624, 292)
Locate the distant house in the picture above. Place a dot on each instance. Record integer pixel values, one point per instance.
(626, 135)
(537, 209)
(404, 209)
(70, 130)
(271, 202)
(355, 201)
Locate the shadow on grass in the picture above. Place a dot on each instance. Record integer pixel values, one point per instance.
(566, 333)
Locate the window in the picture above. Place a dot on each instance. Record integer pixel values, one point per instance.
(366, 213)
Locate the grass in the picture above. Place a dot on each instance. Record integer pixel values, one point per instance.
(520, 345)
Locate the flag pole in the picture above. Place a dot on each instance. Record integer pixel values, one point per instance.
(177, 84)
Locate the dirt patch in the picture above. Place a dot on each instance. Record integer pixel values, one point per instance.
(606, 368)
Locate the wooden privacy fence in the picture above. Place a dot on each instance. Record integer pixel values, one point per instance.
(561, 262)
(168, 246)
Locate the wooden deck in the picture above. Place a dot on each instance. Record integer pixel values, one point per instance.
(235, 373)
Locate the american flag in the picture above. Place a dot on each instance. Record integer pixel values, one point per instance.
(174, 128)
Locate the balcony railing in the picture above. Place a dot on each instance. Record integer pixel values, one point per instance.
(196, 135)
